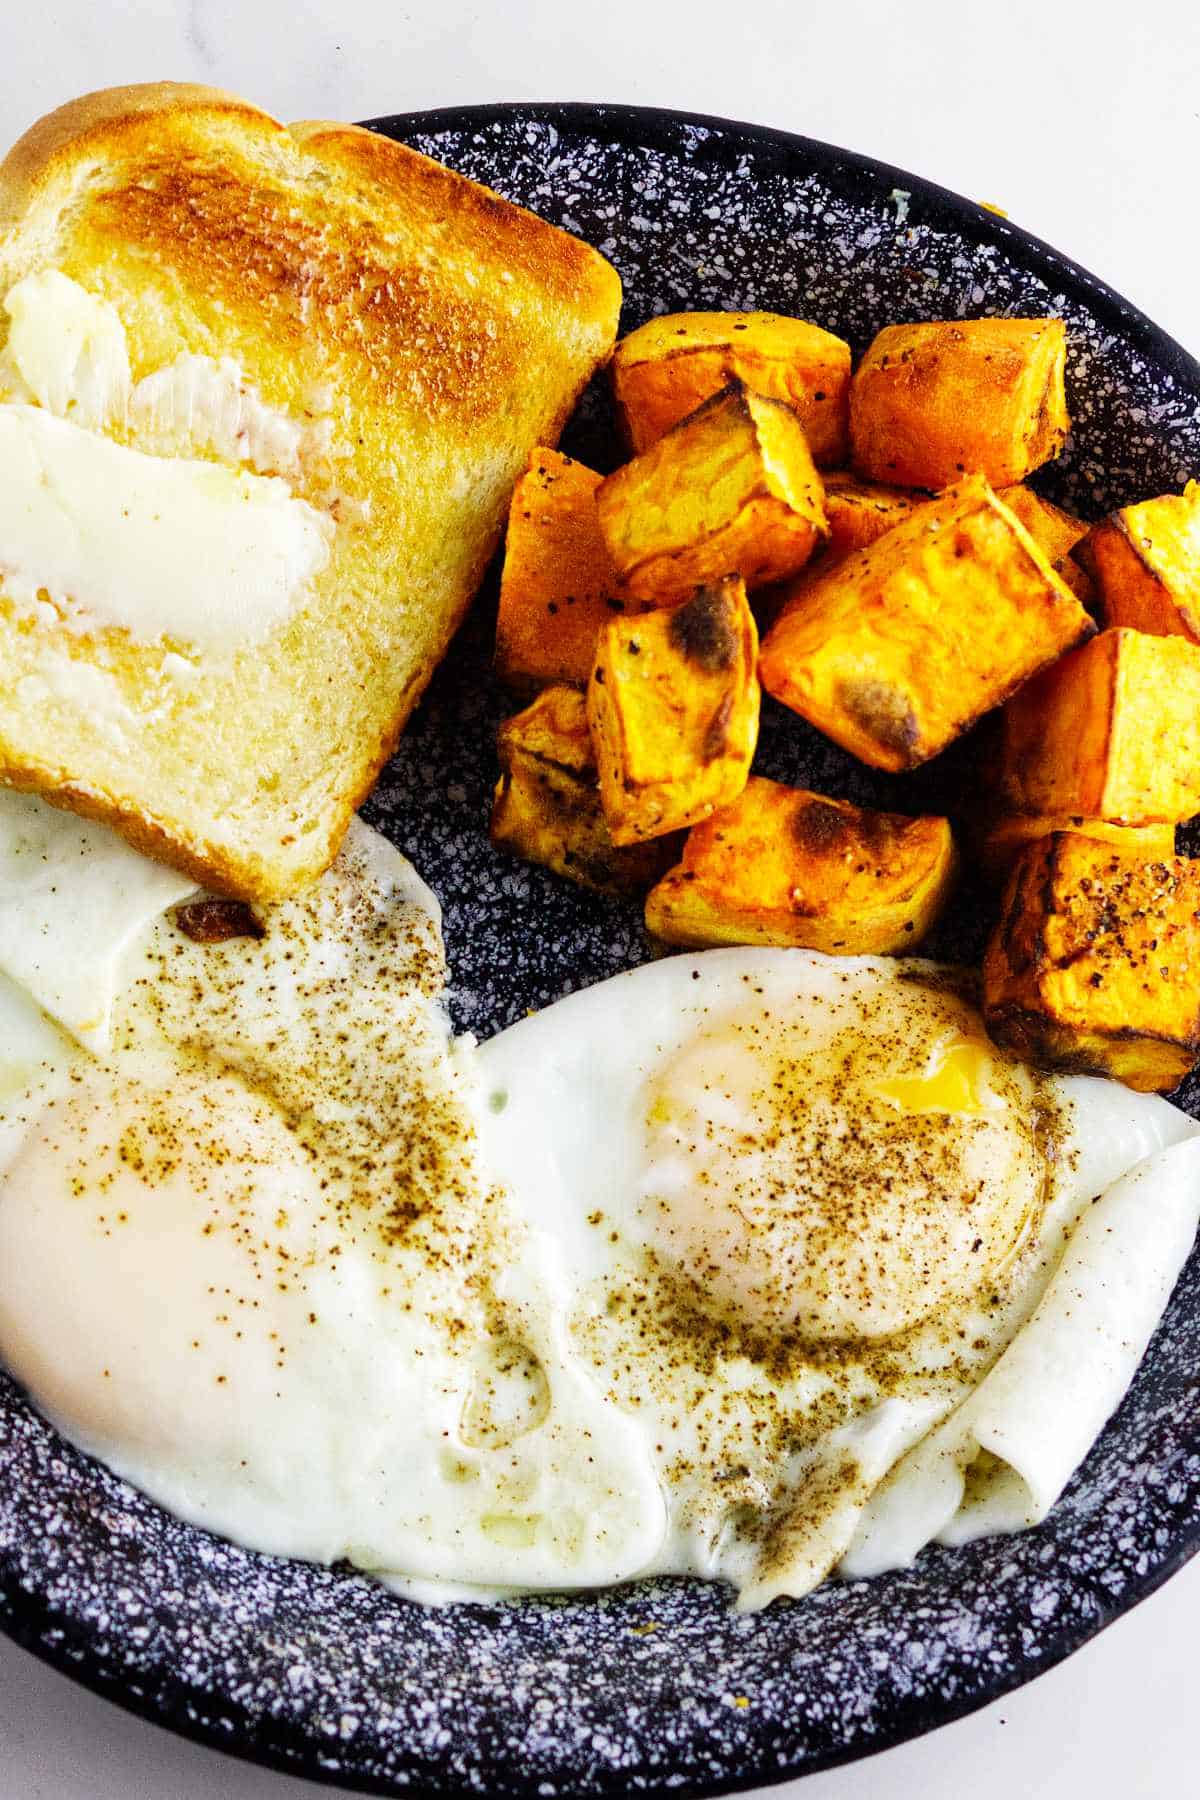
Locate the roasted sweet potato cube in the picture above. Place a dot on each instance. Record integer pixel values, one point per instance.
(894, 651)
(547, 802)
(673, 709)
(1095, 963)
(1054, 531)
(1146, 562)
(1110, 732)
(1001, 840)
(861, 511)
(732, 490)
(558, 583)
(932, 402)
(669, 366)
(785, 866)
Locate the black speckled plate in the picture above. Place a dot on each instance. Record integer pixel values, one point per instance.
(325, 1674)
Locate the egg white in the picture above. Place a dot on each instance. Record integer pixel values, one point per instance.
(801, 1208)
(252, 1262)
(747, 1264)
(74, 898)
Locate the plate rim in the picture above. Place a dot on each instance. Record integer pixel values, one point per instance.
(997, 226)
(271, 1749)
(182, 1709)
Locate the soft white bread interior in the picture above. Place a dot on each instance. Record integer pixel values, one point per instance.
(412, 336)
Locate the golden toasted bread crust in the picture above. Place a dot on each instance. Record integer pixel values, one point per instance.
(207, 867)
(455, 331)
(564, 266)
(126, 120)
(108, 114)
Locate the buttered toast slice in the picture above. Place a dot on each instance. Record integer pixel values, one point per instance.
(264, 394)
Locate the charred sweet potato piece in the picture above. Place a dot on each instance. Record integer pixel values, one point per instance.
(1054, 531)
(1001, 840)
(1146, 562)
(932, 402)
(547, 802)
(732, 490)
(673, 710)
(785, 866)
(1110, 732)
(669, 366)
(896, 650)
(558, 584)
(1095, 963)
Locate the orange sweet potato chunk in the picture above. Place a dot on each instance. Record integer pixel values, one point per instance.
(785, 866)
(1094, 966)
(1110, 732)
(894, 651)
(664, 370)
(1002, 839)
(932, 402)
(673, 710)
(1146, 562)
(1054, 531)
(861, 511)
(546, 808)
(731, 490)
(558, 584)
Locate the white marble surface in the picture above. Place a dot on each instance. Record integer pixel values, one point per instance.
(1082, 120)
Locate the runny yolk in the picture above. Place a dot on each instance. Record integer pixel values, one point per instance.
(954, 1080)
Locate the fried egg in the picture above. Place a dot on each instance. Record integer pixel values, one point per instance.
(250, 1260)
(744, 1264)
(802, 1207)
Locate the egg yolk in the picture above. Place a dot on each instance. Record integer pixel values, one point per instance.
(953, 1081)
(842, 1180)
